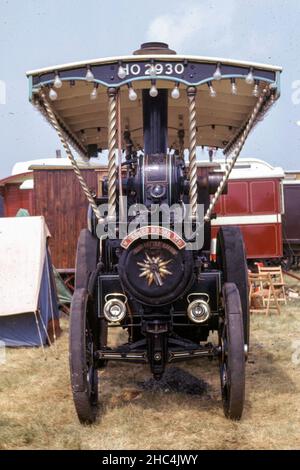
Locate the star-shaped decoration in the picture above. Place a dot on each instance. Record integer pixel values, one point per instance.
(154, 269)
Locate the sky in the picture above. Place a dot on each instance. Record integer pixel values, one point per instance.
(40, 33)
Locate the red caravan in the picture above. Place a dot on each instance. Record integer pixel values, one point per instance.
(255, 203)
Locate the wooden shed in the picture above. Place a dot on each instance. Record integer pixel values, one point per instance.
(16, 194)
(59, 198)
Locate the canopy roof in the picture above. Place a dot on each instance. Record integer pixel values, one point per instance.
(219, 119)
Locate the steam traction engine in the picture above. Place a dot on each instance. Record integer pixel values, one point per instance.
(148, 279)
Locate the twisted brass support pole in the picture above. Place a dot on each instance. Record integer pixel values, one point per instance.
(112, 140)
(66, 146)
(193, 193)
(121, 202)
(237, 150)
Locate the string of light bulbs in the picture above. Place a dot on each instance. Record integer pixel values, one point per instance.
(153, 91)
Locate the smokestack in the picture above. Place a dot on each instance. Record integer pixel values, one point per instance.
(154, 48)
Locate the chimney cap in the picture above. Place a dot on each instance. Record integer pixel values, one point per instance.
(154, 48)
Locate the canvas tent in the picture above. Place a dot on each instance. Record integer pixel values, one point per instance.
(28, 302)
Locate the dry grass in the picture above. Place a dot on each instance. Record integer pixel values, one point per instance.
(37, 410)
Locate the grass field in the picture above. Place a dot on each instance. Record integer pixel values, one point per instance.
(36, 409)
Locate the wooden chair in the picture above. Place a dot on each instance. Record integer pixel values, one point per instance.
(261, 287)
(277, 280)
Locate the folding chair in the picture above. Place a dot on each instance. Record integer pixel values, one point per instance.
(277, 280)
(261, 286)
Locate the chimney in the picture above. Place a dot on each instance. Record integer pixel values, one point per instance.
(58, 153)
(154, 48)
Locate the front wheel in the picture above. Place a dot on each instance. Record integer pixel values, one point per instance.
(232, 354)
(84, 375)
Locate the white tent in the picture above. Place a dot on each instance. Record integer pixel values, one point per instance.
(27, 292)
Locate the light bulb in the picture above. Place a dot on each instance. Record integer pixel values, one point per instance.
(250, 78)
(233, 87)
(255, 91)
(121, 72)
(57, 81)
(175, 92)
(132, 94)
(52, 94)
(89, 75)
(94, 93)
(212, 91)
(218, 74)
(153, 91)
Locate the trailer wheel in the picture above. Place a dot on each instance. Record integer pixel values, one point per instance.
(231, 260)
(286, 262)
(84, 375)
(232, 354)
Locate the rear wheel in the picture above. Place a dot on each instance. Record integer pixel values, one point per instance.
(232, 354)
(84, 375)
(231, 260)
(84, 330)
(86, 258)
